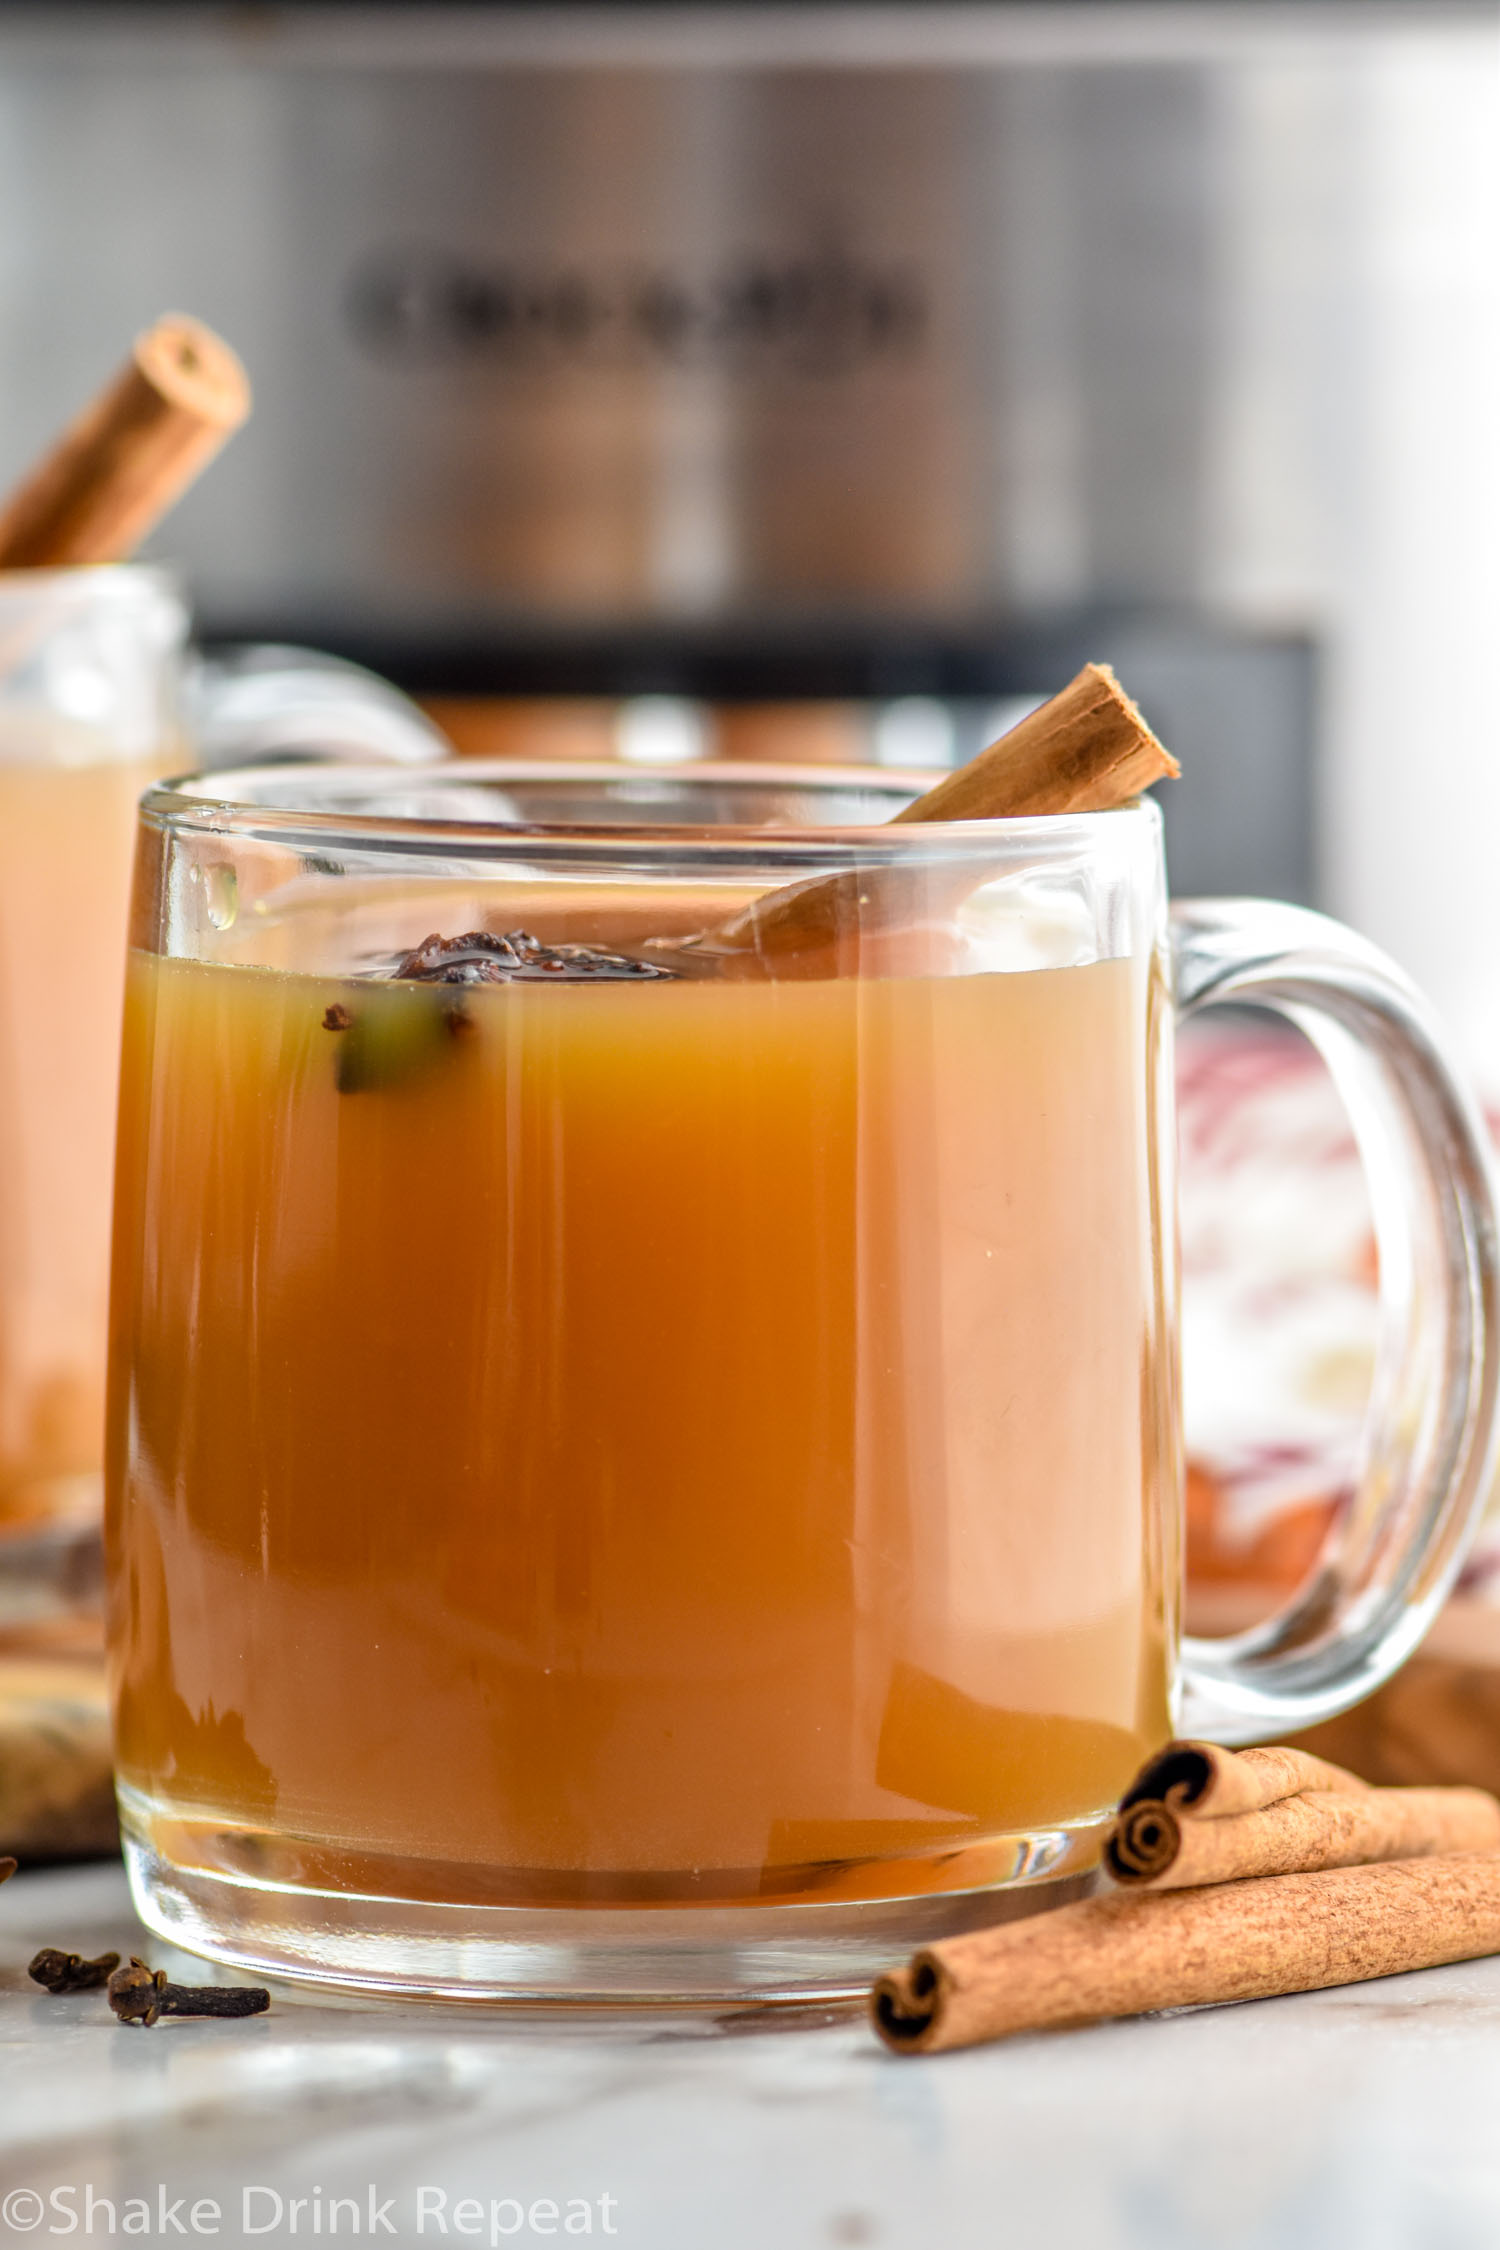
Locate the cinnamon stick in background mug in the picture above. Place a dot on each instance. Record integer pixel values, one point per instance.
(88, 717)
(91, 650)
(132, 452)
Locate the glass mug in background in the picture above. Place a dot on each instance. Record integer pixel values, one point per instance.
(91, 664)
(629, 1486)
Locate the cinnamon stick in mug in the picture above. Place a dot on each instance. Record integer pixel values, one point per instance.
(1087, 749)
(1124, 1955)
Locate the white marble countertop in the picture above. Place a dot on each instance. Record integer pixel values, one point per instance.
(1365, 2117)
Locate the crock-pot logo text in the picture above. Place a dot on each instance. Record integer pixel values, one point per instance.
(826, 313)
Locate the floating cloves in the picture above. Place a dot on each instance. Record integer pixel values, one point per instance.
(140, 1995)
(389, 1035)
(60, 1972)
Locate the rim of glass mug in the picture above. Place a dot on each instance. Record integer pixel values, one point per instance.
(96, 582)
(244, 801)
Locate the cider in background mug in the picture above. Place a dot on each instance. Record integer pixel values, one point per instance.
(90, 671)
(638, 1485)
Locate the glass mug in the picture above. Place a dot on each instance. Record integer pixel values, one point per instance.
(93, 678)
(628, 1485)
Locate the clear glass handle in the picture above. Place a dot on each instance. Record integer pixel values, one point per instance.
(262, 704)
(1430, 1435)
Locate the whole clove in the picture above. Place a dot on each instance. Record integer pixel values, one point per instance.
(60, 1972)
(140, 1994)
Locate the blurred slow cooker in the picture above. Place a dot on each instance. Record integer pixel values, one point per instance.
(878, 362)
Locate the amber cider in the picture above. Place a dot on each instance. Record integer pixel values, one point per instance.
(638, 1443)
(67, 825)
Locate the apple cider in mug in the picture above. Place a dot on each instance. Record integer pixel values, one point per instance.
(602, 1438)
(66, 833)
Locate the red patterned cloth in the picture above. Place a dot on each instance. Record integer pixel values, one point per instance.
(1279, 1304)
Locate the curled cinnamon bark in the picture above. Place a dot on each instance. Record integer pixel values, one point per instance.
(1198, 1813)
(1205, 1779)
(1154, 1845)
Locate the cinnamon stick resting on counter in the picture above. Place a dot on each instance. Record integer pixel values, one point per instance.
(1124, 1955)
(1341, 1825)
(1201, 1814)
(1205, 1779)
(1256, 1872)
(1152, 1845)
